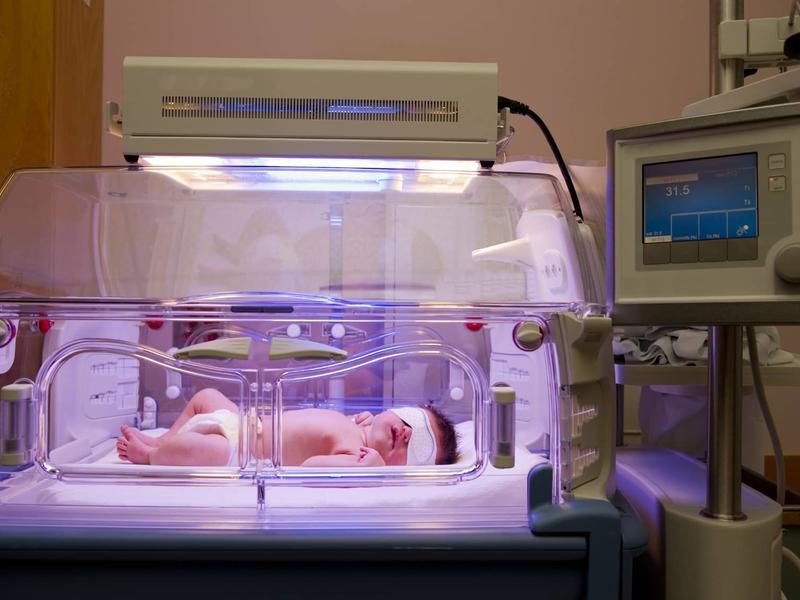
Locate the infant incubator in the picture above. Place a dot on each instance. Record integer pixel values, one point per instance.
(345, 285)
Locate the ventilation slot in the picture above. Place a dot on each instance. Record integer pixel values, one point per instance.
(309, 109)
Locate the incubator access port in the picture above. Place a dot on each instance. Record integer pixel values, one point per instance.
(90, 410)
(380, 402)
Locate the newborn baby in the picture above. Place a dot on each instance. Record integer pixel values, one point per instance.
(207, 433)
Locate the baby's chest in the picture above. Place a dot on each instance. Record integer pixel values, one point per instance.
(324, 435)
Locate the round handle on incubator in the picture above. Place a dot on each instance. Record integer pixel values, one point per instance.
(787, 263)
(293, 330)
(528, 336)
(172, 392)
(7, 332)
(337, 331)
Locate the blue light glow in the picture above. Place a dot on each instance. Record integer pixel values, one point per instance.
(363, 109)
(299, 108)
(258, 107)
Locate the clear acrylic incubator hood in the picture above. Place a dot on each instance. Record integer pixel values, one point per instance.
(349, 288)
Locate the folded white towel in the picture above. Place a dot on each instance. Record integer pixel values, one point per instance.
(687, 346)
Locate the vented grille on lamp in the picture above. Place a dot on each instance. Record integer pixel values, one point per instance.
(217, 107)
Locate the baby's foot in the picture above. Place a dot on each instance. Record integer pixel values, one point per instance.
(122, 448)
(132, 433)
(134, 451)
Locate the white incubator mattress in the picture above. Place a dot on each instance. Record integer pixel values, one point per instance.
(502, 490)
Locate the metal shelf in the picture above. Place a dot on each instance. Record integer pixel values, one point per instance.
(640, 374)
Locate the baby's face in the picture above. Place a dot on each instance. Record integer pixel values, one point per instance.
(389, 435)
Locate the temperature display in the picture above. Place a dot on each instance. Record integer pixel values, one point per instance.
(701, 199)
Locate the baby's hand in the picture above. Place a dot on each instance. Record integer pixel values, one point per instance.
(369, 457)
(363, 418)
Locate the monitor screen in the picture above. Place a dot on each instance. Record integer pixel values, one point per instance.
(713, 198)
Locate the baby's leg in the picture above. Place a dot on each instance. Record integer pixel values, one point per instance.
(205, 401)
(185, 449)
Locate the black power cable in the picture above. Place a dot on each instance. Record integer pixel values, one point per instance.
(518, 108)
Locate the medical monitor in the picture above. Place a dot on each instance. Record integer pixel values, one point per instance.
(714, 198)
(703, 225)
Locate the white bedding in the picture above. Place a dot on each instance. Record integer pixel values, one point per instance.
(495, 489)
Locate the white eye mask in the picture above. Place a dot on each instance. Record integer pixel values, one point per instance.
(422, 444)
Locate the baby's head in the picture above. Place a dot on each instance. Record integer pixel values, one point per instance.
(413, 436)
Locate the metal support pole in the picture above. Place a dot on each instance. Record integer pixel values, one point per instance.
(724, 499)
(713, 46)
(725, 74)
(724, 484)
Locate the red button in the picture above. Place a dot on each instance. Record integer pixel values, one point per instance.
(474, 325)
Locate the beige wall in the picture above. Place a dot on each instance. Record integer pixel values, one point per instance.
(584, 65)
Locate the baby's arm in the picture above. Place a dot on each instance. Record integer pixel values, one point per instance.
(366, 457)
(363, 418)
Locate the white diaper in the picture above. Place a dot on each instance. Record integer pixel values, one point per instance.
(223, 422)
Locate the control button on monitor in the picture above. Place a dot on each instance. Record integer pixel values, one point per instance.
(713, 251)
(742, 224)
(777, 183)
(685, 228)
(683, 252)
(743, 249)
(776, 161)
(713, 226)
(655, 254)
